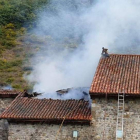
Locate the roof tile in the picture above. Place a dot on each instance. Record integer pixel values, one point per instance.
(117, 73)
(9, 93)
(25, 108)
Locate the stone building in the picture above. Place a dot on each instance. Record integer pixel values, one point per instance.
(47, 119)
(117, 74)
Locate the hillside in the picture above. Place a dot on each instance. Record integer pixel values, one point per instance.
(16, 19)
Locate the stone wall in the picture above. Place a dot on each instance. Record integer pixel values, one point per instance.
(48, 132)
(105, 115)
(4, 102)
(3, 130)
(103, 126)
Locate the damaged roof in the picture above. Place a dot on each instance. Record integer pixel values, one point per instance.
(24, 108)
(9, 93)
(117, 74)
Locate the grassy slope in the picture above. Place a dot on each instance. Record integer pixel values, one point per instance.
(12, 66)
(16, 17)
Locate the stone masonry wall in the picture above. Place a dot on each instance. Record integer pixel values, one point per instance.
(4, 102)
(105, 115)
(103, 126)
(48, 132)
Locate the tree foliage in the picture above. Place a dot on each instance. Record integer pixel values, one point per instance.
(19, 12)
(17, 16)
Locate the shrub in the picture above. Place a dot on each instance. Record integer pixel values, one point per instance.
(6, 65)
(8, 36)
(16, 86)
(9, 80)
(20, 12)
(16, 63)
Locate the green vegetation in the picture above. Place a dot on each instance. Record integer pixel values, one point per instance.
(16, 18)
(5, 65)
(8, 36)
(20, 12)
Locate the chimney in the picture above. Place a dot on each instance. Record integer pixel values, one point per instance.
(104, 52)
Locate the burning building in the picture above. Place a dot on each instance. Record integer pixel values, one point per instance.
(49, 113)
(24, 109)
(116, 74)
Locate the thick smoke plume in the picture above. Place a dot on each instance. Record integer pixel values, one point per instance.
(75, 33)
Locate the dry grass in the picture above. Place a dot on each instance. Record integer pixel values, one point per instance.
(12, 62)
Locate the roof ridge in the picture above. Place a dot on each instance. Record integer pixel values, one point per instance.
(125, 54)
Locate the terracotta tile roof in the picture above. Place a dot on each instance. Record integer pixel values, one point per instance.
(9, 93)
(117, 73)
(47, 109)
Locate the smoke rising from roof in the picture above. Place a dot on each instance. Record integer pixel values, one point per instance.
(75, 33)
(71, 93)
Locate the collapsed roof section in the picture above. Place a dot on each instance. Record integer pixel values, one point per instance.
(117, 74)
(47, 110)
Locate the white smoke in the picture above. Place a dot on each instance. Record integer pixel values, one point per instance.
(78, 30)
(72, 93)
(8, 87)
